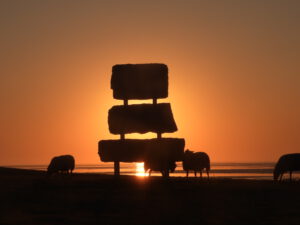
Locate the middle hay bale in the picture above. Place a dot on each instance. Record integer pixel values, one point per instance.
(143, 118)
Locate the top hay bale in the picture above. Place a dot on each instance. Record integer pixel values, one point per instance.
(139, 81)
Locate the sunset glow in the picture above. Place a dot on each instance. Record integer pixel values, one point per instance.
(233, 75)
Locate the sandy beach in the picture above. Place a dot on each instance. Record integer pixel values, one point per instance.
(29, 197)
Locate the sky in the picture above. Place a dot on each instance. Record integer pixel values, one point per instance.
(234, 74)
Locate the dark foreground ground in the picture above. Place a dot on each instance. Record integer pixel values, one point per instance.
(28, 197)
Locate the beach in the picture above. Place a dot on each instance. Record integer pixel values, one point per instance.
(30, 197)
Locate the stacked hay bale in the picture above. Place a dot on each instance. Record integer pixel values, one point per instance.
(140, 82)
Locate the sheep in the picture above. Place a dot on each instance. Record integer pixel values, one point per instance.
(160, 165)
(63, 163)
(196, 161)
(286, 163)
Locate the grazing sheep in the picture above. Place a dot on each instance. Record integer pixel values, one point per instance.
(287, 163)
(195, 161)
(158, 165)
(63, 163)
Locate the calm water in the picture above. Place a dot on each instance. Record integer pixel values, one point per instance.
(233, 170)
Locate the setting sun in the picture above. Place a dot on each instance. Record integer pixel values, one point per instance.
(139, 170)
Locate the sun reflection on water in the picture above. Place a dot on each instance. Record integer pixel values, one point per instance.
(139, 170)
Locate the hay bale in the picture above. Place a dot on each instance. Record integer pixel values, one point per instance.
(137, 150)
(141, 118)
(139, 81)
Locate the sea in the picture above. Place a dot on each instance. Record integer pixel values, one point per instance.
(235, 170)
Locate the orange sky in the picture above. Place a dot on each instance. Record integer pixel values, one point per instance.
(233, 72)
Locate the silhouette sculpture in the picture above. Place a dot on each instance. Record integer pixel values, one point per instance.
(161, 166)
(139, 82)
(287, 163)
(196, 161)
(63, 164)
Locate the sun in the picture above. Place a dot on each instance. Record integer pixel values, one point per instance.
(139, 170)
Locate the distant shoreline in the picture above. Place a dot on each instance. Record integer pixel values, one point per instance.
(235, 170)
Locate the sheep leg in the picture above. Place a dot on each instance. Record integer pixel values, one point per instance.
(164, 173)
(195, 172)
(187, 173)
(207, 174)
(167, 174)
(201, 174)
(280, 177)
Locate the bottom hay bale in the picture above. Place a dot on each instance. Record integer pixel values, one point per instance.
(137, 150)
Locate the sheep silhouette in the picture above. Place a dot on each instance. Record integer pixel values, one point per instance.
(196, 161)
(287, 163)
(63, 164)
(158, 165)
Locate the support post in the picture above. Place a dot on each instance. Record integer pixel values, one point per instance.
(122, 136)
(117, 163)
(158, 135)
(117, 168)
(154, 101)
